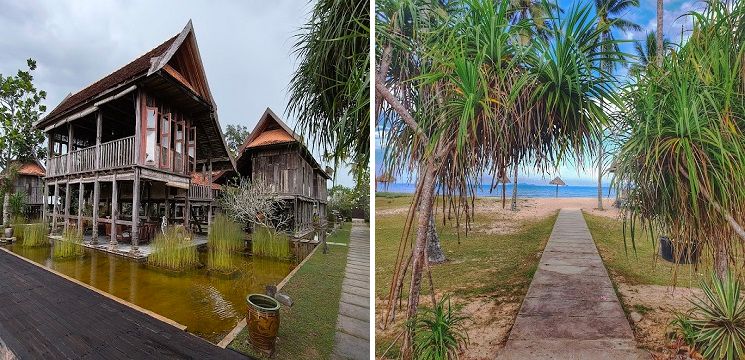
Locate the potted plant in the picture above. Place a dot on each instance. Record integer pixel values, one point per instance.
(679, 252)
(262, 322)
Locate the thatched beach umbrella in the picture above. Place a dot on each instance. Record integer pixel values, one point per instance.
(557, 181)
(385, 178)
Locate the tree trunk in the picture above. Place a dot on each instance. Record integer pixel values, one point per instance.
(514, 190)
(659, 32)
(419, 251)
(6, 208)
(434, 250)
(721, 261)
(600, 175)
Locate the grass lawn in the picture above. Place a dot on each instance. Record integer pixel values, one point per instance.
(307, 328)
(498, 266)
(640, 267)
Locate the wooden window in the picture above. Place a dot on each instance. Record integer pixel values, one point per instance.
(179, 147)
(192, 148)
(151, 123)
(165, 141)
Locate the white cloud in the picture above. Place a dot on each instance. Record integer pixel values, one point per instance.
(246, 46)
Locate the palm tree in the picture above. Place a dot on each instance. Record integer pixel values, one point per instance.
(608, 21)
(329, 92)
(659, 33)
(646, 52)
(477, 102)
(535, 11)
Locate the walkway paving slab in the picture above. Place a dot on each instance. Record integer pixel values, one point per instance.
(352, 339)
(571, 310)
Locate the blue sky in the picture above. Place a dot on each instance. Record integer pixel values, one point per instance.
(645, 16)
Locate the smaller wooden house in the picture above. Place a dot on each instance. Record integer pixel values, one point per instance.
(274, 153)
(29, 180)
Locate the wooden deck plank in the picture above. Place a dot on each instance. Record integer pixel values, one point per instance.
(46, 316)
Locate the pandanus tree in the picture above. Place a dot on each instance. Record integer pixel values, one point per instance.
(330, 90)
(683, 153)
(477, 100)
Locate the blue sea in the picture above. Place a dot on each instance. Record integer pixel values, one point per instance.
(523, 190)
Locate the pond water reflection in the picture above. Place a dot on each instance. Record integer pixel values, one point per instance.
(208, 303)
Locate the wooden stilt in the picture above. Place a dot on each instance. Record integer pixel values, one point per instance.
(96, 199)
(209, 205)
(68, 198)
(81, 190)
(55, 201)
(114, 212)
(136, 211)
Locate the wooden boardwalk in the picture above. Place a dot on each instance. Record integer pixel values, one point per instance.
(571, 310)
(352, 339)
(44, 316)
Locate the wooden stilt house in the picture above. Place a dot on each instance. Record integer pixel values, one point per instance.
(124, 150)
(273, 153)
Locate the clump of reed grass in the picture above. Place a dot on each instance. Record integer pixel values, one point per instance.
(225, 237)
(18, 223)
(270, 243)
(70, 245)
(172, 250)
(35, 234)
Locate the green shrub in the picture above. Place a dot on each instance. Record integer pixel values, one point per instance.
(716, 324)
(439, 333)
(35, 235)
(173, 250)
(16, 204)
(270, 243)
(718, 319)
(69, 245)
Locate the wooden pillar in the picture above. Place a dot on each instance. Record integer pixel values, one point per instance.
(167, 205)
(55, 200)
(136, 211)
(70, 134)
(187, 208)
(96, 199)
(44, 202)
(209, 206)
(81, 190)
(114, 211)
(99, 127)
(67, 204)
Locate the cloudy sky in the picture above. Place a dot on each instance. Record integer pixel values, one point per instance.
(246, 46)
(645, 15)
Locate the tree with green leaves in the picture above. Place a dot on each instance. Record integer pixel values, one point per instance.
(682, 155)
(461, 99)
(235, 135)
(20, 107)
(609, 18)
(329, 92)
(646, 52)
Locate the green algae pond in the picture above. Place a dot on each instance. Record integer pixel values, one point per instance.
(209, 304)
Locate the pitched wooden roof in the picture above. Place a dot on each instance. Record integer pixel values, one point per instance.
(29, 168)
(175, 62)
(124, 74)
(271, 130)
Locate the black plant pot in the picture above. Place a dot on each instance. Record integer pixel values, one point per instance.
(669, 251)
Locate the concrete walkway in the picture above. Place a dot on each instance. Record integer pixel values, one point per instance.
(571, 310)
(352, 340)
